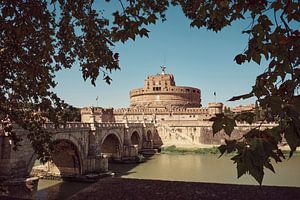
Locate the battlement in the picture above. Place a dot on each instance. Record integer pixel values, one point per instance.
(97, 114)
(98, 110)
(177, 110)
(215, 105)
(169, 90)
(215, 108)
(243, 108)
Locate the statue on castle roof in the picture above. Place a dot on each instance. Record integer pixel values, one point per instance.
(163, 69)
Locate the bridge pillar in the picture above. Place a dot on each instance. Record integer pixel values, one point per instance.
(92, 144)
(22, 188)
(130, 152)
(13, 171)
(96, 164)
(127, 139)
(5, 151)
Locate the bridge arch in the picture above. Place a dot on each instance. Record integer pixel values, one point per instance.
(65, 160)
(111, 146)
(72, 146)
(135, 138)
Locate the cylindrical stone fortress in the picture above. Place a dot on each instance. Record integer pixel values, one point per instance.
(160, 91)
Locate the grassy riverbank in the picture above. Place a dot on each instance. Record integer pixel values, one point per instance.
(208, 150)
(182, 150)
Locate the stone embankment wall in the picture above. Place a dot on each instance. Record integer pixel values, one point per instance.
(197, 134)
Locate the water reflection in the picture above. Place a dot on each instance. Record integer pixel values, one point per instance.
(197, 168)
(55, 189)
(204, 168)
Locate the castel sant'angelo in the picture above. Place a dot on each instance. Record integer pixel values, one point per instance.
(175, 110)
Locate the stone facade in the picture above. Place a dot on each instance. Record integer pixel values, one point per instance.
(161, 100)
(243, 108)
(176, 112)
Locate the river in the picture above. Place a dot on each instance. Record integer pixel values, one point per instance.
(197, 168)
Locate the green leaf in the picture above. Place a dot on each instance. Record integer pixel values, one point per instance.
(245, 116)
(144, 32)
(257, 173)
(229, 125)
(222, 148)
(245, 96)
(269, 166)
(152, 18)
(292, 138)
(256, 57)
(239, 59)
(230, 145)
(241, 169)
(217, 125)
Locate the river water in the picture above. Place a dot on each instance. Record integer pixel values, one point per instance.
(196, 168)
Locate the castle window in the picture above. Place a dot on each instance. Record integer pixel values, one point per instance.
(198, 92)
(187, 90)
(156, 88)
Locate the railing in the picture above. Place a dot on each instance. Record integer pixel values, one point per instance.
(135, 124)
(70, 125)
(107, 125)
(80, 126)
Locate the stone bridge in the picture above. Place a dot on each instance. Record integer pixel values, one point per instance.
(83, 148)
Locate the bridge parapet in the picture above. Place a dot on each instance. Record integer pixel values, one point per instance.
(51, 126)
(135, 125)
(68, 125)
(108, 125)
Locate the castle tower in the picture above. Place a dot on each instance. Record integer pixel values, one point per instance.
(215, 108)
(160, 91)
(96, 114)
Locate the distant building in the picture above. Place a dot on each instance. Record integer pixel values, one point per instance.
(243, 108)
(175, 111)
(159, 100)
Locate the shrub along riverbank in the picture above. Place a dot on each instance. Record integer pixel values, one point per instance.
(181, 150)
(203, 151)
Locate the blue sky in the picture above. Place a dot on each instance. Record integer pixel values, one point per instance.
(196, 57)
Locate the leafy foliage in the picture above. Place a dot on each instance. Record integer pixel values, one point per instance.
(39, 38)
(273, 35)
